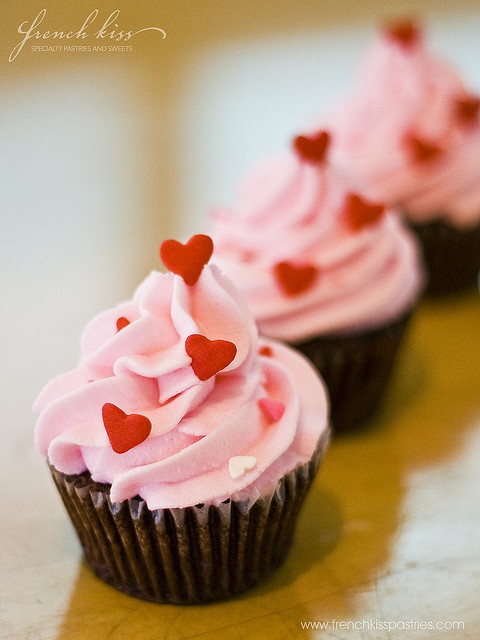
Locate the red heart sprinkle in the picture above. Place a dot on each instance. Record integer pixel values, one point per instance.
(294, 279)
(360, 213)
(312, 148)
(422, 150)
(404, 32)
(122, 323)
(272, 408)
(124, 431)
(467, 109)
(209, 356)
(189, 259)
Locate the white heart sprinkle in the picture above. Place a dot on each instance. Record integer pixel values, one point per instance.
(238, 465)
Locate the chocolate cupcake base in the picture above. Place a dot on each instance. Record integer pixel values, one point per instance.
(357, 370)
(452, 256)
(190, 555)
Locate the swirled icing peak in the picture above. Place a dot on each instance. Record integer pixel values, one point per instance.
(175, 400)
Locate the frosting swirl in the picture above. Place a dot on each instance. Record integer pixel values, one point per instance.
(409, 133)
(254, 412)
(311, 257)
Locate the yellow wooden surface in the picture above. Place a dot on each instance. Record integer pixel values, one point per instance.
(388, 541)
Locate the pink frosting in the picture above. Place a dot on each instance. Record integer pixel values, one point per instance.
(290, 210)
(404, 91)
(197, 427)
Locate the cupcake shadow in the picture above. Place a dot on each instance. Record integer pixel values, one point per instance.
(319, 529)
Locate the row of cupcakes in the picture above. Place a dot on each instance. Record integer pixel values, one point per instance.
(324, 269)
(334, 241)
(183, 443)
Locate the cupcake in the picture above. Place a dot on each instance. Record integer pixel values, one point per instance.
(182, 445)
(409, 135)
(323, 269)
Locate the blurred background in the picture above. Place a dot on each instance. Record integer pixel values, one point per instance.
(106, 153)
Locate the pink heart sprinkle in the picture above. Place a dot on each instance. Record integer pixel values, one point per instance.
(272, 408)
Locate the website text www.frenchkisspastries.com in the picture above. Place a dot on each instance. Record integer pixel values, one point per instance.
(389, 625)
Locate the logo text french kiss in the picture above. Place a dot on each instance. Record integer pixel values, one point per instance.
(109, 30)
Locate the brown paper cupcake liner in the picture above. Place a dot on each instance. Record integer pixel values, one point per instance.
(357, 370)
(452, 256)
(190, 555)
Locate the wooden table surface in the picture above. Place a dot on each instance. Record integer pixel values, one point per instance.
(387, 545)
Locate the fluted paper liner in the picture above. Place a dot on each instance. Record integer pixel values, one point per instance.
(452, 256)
(356, 369)
(189, 555)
